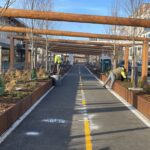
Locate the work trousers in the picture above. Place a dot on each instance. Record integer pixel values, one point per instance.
(111, 78)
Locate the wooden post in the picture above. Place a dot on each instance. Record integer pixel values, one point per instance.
(126, 57)
(11, 54)
(144, 60)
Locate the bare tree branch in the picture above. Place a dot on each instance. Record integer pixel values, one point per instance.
(7, 4)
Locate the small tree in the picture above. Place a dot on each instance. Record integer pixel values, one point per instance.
(131, 8)
(6, 4)
(115, 12)
(44, 5)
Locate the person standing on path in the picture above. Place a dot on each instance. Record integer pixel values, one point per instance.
(57, 62)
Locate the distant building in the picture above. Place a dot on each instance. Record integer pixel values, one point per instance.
(143, 12)
(71, 58)
(5, 42)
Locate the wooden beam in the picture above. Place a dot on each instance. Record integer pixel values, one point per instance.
(72, 52)
(58, 16)
(68, 33)
(78, 46)
(78, 51)
(88, 42)
(72, 46)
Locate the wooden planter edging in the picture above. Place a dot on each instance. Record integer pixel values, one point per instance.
(143, 106)
(11, 115)
(134, 98)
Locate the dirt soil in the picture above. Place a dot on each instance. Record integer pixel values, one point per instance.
(7, 100)
(146, 96)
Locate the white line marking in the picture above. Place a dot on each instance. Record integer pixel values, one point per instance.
(32, 133)
(80, 108)
(66, 73)
(138, 114)
(15, 124)
(53, 120)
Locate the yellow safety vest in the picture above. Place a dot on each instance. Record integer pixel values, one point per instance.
(119, 72)
(57, 59)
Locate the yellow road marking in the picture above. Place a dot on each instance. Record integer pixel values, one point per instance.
(84, 102)
(87, 135)
(88, 141)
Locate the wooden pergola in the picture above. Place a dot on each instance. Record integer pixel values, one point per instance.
(55, 16)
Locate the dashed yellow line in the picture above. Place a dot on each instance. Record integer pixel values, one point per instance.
(87, 132)
(87, 135)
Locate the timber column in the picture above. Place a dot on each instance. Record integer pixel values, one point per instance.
(126, 57)
(11, 54)
(144, 60)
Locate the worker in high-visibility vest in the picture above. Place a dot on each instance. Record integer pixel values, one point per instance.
(57, 62)
(118, 73)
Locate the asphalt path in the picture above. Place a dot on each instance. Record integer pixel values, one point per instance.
(79, 115)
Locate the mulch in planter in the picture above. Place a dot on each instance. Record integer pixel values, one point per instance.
(146, 96)
(7, 101)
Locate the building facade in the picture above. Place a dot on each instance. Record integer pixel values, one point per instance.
(143, 12)
(5, 42)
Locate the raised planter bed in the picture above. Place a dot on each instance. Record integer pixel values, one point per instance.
(15, 110)
(139, 100)
(143, 105)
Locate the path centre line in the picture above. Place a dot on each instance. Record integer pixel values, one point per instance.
(87, 131)
(129, 106)
(87, 134)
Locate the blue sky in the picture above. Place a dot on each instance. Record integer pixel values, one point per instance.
(96, 7)
(93, 7)
(83, 6)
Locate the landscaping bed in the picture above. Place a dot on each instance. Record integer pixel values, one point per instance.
(8, 100)
(11, 108)
(20, 93)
